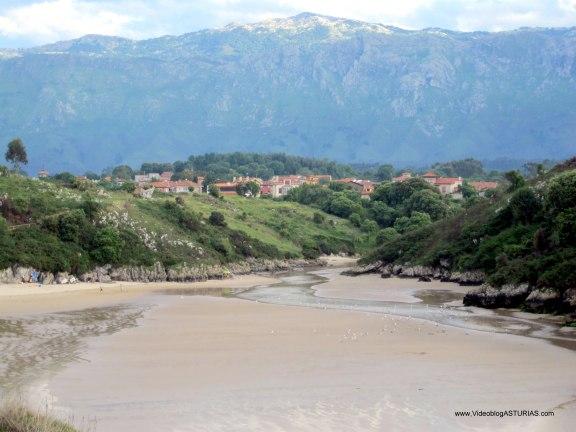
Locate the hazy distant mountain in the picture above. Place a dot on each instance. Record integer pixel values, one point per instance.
(309, 85)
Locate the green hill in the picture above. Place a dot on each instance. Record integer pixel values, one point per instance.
(56, 228)
(522, 240)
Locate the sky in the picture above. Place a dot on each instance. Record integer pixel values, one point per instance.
(25, 23)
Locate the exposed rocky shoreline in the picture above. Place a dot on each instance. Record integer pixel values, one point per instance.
(523, 296)
(157, 272)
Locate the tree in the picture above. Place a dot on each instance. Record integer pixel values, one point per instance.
(129, 186)
(123, 172)
(460, 168)
(468, 192)
(217, 219)
(387, 234)
(344, 207)
(417, 220)
(16, 154)
(515, 179)
(427, 201)
(395, 194)
(248, 189)
(384, 173)
(92, 175)
(209, 180)
(214, 190)
(383, 214)
(562, 192)
(525, 205)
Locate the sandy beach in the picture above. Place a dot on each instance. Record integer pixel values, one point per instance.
(144, 360)
(214, 364)
(31, 298)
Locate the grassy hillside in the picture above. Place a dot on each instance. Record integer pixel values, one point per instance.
(523, 235)
(72, 229)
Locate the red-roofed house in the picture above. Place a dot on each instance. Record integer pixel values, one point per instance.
(482, 186)
(430, 177)
(180, 186)
(402, 177)
(448, 185)
(227, 188)
(363, 187)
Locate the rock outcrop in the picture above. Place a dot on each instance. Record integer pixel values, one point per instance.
(489, 297)
(365, 269)
(569, 300)
(158, 273)
(543, 300)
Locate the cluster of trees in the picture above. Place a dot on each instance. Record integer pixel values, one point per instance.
(228, 165)
(396, 207)
(525, 234)
(466, 168)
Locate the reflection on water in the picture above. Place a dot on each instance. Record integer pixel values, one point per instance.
(439, 306)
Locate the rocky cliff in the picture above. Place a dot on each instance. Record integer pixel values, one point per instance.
(310, 85)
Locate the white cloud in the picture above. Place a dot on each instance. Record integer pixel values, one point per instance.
(41, 21)
(60, 19)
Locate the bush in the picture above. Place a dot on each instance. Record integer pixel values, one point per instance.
(525, 205)
(71, 225)
(565, 227)
(417, 220)
(214, 191)
(427, 201)
(355, 219)
(318, 218)
(383, 214)
(387, 234)
(217, 219)
(369, 226)
(343, 206)
(107, 246)
(562, 192)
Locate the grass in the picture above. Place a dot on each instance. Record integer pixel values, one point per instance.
(172, 229)
(16, 418)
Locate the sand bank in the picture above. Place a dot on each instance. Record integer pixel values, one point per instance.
(215, 364)
(31, 298)
(373, 287)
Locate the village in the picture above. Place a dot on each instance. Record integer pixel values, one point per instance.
(279, 186)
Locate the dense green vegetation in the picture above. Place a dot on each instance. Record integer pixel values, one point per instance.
(228, 165)
(396, 207)
(523, 234)
(53, 225)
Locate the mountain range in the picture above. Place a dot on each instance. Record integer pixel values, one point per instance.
(310, 85)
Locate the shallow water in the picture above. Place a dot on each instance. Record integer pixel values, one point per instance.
(439, 306)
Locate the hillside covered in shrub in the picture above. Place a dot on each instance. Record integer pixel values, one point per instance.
(55, 226)
(523, 238)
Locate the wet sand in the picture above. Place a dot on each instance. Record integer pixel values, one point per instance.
(181, 362)
(31, 298)
(215, 364)
(373, 287)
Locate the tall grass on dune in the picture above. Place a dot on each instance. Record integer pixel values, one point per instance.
(17, 418)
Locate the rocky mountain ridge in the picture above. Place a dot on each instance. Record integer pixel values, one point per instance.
(310, 85)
